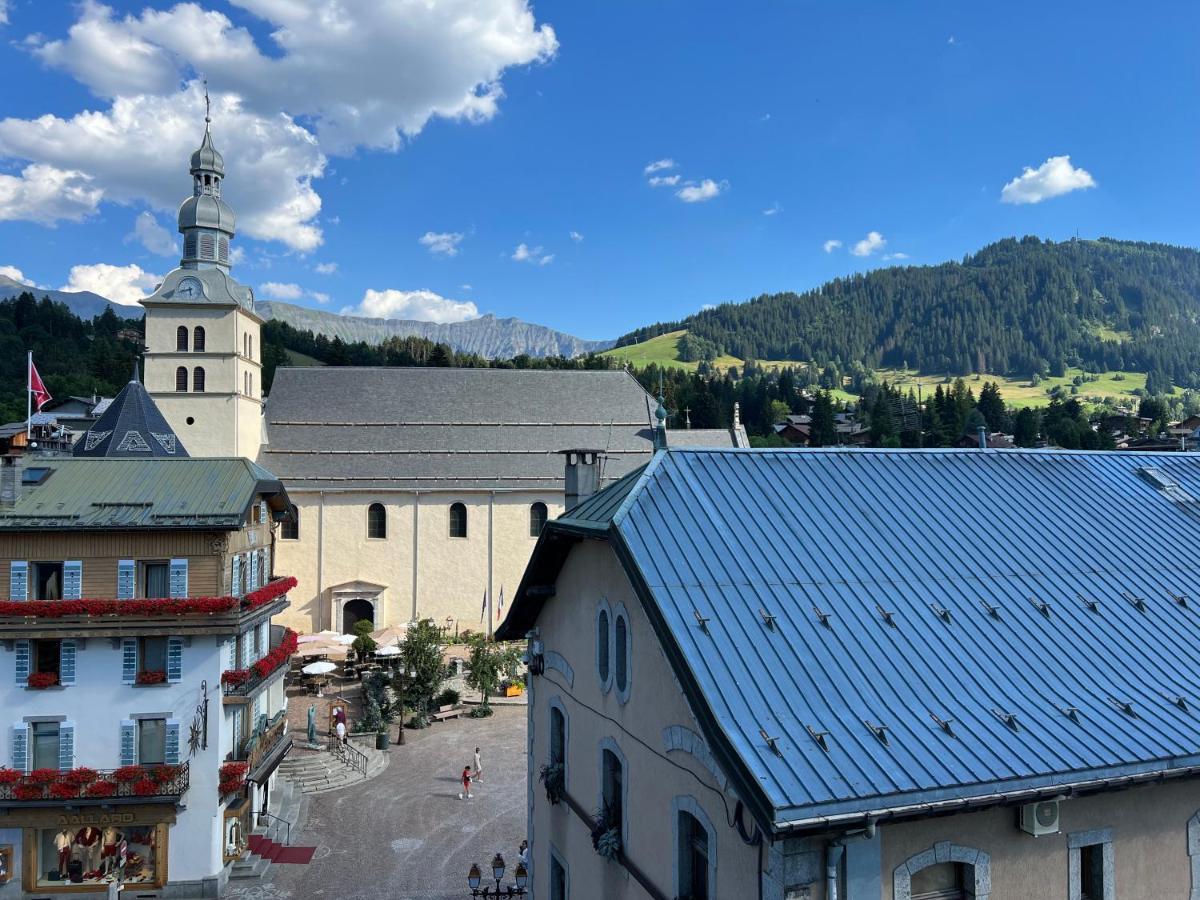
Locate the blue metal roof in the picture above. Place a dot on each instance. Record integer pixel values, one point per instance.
(1044, 604)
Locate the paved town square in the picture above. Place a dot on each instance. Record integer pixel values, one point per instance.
(405, 833)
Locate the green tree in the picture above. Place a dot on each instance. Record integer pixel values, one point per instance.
(822, 430)
(1026, 426)
(421, 658)
(991, 406)
(487, 665)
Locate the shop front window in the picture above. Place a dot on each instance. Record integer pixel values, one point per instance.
(83, 855)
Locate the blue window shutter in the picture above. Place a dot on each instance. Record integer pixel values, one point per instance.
(231, 653)
(171, 752)
(24, 663)
(66, 662)
(128, 743)
(126, 579)
(253, 580)
(129, 661)
(247, 641)
(266, 565)
(260, 640)
(174, 659)
(236, 581)
(179, 578)
(20, 747)
(263, 515)
(18, 580)
(66, 746)
(72, 579)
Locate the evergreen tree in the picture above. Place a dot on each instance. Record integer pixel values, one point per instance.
(823, 432)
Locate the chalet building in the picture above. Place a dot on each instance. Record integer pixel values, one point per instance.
(420, 492)
(868, 675)
(141, 676)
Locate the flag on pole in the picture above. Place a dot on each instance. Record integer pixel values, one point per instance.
(483, 609)
(500, 608)
(37, 387)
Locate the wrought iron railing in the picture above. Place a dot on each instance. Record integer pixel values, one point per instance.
(349, 755)
(85, 786)
(263, 742)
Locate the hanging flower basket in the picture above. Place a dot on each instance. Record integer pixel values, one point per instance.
(42, 680)
(152, 676)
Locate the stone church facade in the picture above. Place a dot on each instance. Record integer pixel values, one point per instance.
(419, 493)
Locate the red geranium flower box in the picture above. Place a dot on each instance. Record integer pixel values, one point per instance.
(160, 774)
(81, 776)
(43, 776)
(42, 680)
(235, 677)
(126, 774)
(60, 790)
(29, 792)
(145, 788)
(152, 676)
(9, 776)
(100, 789)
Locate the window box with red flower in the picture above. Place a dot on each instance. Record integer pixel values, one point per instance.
(42, 680)
(81, 776)
(9, 776)
(126, 774)
(100, 789)
(43, 776)
(146, 787)
(60, 790)
(174, 606)
(151, 676)
(29, 791)
(160, 774)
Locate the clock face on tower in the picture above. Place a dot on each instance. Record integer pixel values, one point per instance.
(188, 289)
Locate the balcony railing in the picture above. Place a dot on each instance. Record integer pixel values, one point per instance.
(240, 682)
(261, 747)
(140, 784)
(145, 608)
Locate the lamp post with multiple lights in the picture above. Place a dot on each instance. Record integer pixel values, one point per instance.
(520, 877)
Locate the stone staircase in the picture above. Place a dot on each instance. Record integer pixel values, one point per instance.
(318, 771)
(273, 835)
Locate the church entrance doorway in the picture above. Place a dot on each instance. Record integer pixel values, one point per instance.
(354, 611)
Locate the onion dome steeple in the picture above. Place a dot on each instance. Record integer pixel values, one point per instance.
(205, 220)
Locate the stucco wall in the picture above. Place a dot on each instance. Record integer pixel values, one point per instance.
(333, 550)
(654, 777)
(1150, 848)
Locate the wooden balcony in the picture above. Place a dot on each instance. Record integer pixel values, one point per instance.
(264, 751)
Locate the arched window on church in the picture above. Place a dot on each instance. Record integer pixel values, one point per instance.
(537, 518)
(198, 339)
(458, 520)
(198, 380)
(376, 521)
(181, 379)
(181, 338)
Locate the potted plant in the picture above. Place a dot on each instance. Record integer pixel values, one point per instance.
(553, 777)
(152, 676)
(42, 680)
(606, 833)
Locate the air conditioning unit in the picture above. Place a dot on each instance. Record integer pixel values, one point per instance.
(1040, 818)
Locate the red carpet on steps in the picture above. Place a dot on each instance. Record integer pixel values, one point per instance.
(278, 853)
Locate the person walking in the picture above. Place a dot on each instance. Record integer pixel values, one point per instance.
(466, 783)
(478, 767)
(523, 853)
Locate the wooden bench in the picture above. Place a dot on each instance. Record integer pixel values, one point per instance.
(448, 711)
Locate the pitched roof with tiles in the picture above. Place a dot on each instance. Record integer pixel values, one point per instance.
(863, 633)
(446, 428)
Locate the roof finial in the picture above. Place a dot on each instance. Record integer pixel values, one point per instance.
(660, 430)
(207, 107)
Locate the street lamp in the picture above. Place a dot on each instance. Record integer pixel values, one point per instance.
(517, 889)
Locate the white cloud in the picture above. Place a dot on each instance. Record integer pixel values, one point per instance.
(576, 236)
(47, 194)
(120, 284)
(237, 256)
(3, 12)
(658, 166)
(1052, 178)
(951, 40)
(831, 245)
(441, 243)
(14, 273)
(279, 290)
(319, 297)
(358, 73)
(535, 255)
(895, 256)
(773, 210)
(152, 236)
(694, 192)
(424, 306)
(663, 180)
(872, 242)
(325, 268)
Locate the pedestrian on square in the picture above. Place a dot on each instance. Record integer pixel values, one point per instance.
(466, 783)
(478, 768)
(523, 853)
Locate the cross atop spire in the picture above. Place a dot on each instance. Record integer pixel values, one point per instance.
(207, 107)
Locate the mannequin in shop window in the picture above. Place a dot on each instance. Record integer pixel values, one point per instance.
(88, 838)
(108, 854)
(62, 843)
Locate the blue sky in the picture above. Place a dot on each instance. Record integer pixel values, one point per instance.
(789, 124)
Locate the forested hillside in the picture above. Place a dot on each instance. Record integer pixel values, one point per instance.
(73, 356)
(1014, 308)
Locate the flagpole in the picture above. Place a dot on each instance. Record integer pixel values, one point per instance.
(28, 396)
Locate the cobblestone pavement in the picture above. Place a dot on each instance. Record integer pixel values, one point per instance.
(405, 834)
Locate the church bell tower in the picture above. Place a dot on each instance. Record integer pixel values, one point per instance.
(203, 360)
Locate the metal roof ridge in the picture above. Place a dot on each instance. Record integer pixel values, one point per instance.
(656, 461)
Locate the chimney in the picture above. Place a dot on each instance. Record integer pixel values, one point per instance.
(982, 437)
(584, 475)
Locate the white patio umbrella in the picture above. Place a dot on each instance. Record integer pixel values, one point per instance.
(323, 650)
(319, 668)
(344, 639)
(319, 636)
(388, 651)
